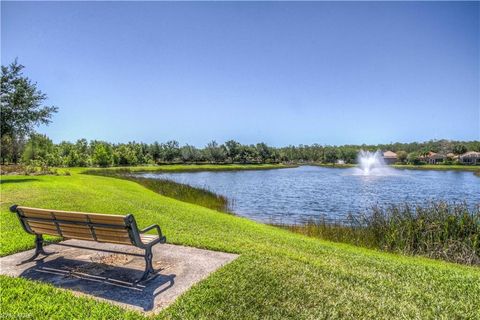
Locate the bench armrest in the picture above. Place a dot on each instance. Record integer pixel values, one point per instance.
(154, 226)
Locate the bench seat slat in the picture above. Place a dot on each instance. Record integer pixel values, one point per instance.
(70, 217)
(115, 240)
(78, 236)
(86, 233)
(111, 232)
(45, 231)
(107, 220)
(42, 224)
(37, 215)
(69, 227)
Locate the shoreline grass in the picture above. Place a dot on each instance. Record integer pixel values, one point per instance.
(449, 232)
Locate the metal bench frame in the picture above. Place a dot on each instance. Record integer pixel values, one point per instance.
(130, 225)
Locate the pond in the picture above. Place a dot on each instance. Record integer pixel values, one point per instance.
(308, 192)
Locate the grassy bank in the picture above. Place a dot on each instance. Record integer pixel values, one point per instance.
(440, 230)
(279, 274)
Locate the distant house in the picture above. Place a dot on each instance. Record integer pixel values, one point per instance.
(452, 156)
(434, 158)
(390, 157)
(471, 157)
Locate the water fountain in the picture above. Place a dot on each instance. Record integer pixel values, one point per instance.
(372, 163)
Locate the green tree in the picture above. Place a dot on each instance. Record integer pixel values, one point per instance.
(23, 108)
(101, 155)
(330, 155)
(155, 151)
(73, 159)
(126, 155)
(347, 154)
(402, 156)
(248, 154)
(37, 148)
(459, 149)
(232, 150)
(189, 153)
(82, 153)
(40, 147)
(215, 152)
(414, 157)
(263, 151)
(170, 150)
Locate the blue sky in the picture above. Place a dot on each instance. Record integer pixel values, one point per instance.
(278, 72)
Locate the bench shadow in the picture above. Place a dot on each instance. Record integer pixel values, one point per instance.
(5, 181)
(115, 283)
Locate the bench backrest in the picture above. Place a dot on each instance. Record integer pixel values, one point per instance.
(79, 225)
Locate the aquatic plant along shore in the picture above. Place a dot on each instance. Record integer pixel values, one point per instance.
(440, 230)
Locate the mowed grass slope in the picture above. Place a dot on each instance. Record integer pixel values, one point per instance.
(278, 275)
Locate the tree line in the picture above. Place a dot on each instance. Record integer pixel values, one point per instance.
(82, 153)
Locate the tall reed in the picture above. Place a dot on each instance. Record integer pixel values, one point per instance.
(438, 230)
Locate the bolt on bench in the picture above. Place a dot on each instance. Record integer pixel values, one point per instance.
(106, 228)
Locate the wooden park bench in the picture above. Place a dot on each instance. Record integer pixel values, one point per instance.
(106, 228)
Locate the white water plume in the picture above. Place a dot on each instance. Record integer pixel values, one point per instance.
(372, 163)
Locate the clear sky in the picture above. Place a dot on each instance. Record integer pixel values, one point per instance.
(278, 72)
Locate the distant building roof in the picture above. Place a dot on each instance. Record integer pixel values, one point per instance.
(389, 154)
(434, 155)
(470, 154)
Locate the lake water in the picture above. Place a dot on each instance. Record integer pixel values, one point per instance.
(296, 194)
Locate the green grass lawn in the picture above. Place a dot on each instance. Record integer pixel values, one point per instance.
(278, 275)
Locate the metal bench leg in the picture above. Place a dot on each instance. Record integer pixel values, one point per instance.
(38, 249)
(148, 264)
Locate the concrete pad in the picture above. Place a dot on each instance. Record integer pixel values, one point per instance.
(110, 276)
